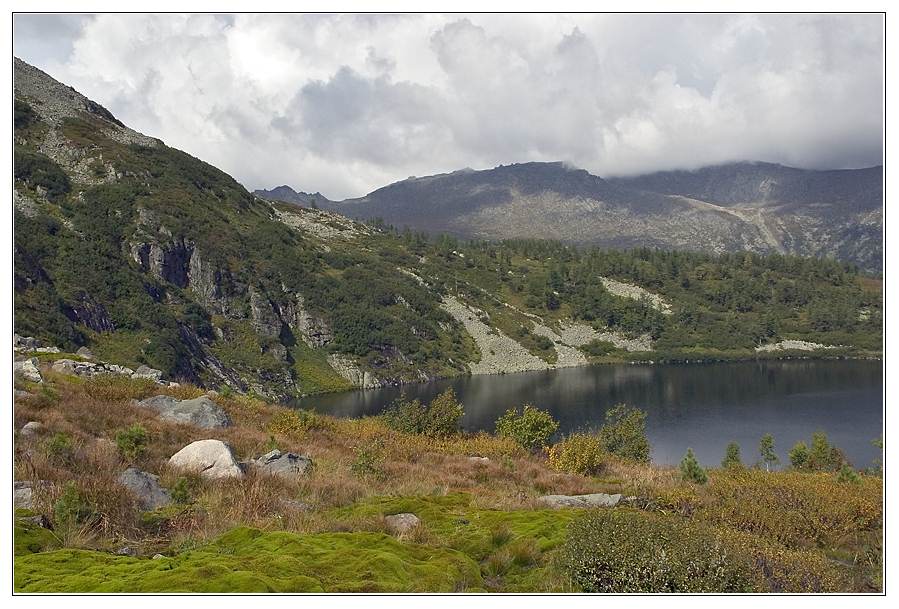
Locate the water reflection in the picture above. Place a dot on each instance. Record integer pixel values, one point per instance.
(700, 406)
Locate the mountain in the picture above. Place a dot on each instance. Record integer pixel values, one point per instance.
(756, 207)
(149, 256)
(286, 194)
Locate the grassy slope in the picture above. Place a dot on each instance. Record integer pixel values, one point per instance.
(481, 527)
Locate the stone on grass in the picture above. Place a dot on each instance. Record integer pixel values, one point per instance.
(200, 411)
(592, 500)
(85, 353)
(145, 486)
(211, 459)
(481, 460)
(28, 369)
(31, 429)
(402, 523)
(290, 466)
(126, 551)
(22, 495)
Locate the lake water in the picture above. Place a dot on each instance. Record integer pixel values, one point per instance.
(702, 406)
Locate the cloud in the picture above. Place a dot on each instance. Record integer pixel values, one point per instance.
(347, 103)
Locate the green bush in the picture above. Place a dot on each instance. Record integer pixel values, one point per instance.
(368, 459)
(530, 427)
(36, 169)
(71, 508)
(624, 433)
(132, 442)
(821, 456)
(598, 347)
(611, 551)
(579, 453)
(439, 419)
(799, 455)
(182, 491)
(691, 470)
(60, 447)
(293, 422)
(848, 475)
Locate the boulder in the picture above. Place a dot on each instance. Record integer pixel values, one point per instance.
(285, 465)
(28, 369)
(592, 500)
(39, 521)
(200, 411)
(146, 488)
(85, 353)
(210, 458)
(31, 429)
(402, 523)
(23, 495)
(145, 372)
(24, 343)
(126, 551)
(70, 366)
(479, 460)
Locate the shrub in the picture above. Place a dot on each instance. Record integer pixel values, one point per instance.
(848, 475)
(598, 347)
(71, 508)
(369, 459)
(132, 442)
(579, 453)
(732, 456)
(766, 451)
(821, 456)
(293, 422)
(531, 427)
(691, 470)
(611, 551)
(182, 491)
(624, 433)
(439, 419)
(59, 447)
(36, 169)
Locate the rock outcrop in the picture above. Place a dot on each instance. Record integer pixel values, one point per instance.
(591, 500)
(28, 369)
(201, 412)
(289, 466)
(402, 523)
(212, 459)
(347, 368)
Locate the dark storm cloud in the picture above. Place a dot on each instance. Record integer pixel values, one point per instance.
(344, 104)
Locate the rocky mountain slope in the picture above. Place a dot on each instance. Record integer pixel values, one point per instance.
(150, 257)
(757, 207)
(287, 194)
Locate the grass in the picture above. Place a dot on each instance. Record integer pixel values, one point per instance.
(481, 526)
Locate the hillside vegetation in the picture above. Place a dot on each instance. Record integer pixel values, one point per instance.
(481, 523)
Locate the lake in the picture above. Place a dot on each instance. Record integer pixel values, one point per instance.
(701, 406)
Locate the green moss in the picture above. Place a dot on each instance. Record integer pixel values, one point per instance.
(29, 537)
(314, 374)
(248, 560)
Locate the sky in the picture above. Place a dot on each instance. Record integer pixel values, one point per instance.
(345, 104)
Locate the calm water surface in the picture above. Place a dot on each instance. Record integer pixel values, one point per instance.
(702, 406)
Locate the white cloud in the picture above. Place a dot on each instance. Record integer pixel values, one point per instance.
(345, 104)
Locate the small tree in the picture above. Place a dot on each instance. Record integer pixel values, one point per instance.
(624, 433)
(799, 456)
(691, 470)
(766, 450)
(732, 456)
(444, 415)
(531, 427)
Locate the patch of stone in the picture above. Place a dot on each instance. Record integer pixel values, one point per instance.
(201, 412)
(580, 501)
(347, 368)
(479, 460)
(145, 486)
(212, 459)
(793, 345)
(402, 523)
(23, 495)
(289, 466)
(635, 292)
(322, 224)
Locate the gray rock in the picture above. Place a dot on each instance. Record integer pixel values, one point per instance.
(28, 369)
(146, 488)
(24, 343)
(23, 495)
(285, 465)
(480, 460)
(200, 411)
(31, 429)
(299, 506)
(212, 459)
(23, 394)
(47, 350)
(592, 500)
(39, 520)
(402, 523)
(85, 353)
(126, 551)
(158, 556)
(145, 372)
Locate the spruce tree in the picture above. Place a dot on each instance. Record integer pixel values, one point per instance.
(691, 470)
